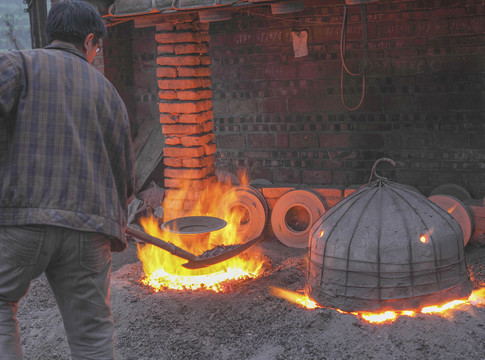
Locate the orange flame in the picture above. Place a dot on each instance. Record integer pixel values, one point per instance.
(294, 297)
(164, 271)
(379, 318)
(476, 298)
(436, 309)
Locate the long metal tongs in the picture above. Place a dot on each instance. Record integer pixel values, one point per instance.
(210, 257)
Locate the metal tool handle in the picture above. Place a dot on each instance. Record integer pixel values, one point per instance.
(171, 248)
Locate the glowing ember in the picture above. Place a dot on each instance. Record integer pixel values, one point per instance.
(294, 297)
(424, 238)
(477, 298)
(215, 281)
(379, 318)
(442, 308)
(165, 271)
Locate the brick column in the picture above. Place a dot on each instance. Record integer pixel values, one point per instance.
(185, 93)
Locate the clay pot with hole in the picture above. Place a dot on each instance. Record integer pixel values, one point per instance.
(293, 216)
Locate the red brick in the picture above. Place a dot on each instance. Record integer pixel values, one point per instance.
(244, 106)
(165, 72)
(275, 192)
(181, 84)
(303, 141)
(179, 60)
(184, 129)
(331, 195)
(172, 161)
(205, 60)
(230, 141)
(301, 104)
(210, 149)
(194, 71)
(181, 37)
(172, 151)
(182, 194)
(287, 175)
(187, 173)
(261, 140)
(331, 140)
(199, 184)
(200, 118)
(312, 70)
(197, 140)
(317, 176)
(192, 26)
(222, 107)
(191, 48)
(168, 119)
(454, 12)
(165, 26)
(208, 126)
(166, 49)
(172, 140)
(199, 162)
(282, 141)
(225, 73)
(194, 95)
(395, 29)
(167, 94)
(258, 154)
(185, 107)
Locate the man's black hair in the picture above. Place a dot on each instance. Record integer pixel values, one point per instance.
(72, 21)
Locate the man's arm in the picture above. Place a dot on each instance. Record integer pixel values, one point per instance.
(9, 86)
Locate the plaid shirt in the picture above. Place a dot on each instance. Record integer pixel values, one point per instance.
(66, 155)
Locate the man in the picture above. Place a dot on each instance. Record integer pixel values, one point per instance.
(66, 176)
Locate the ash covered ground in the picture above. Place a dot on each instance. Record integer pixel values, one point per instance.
(250, 323)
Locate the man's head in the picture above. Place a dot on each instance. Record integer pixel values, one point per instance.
(73, 21)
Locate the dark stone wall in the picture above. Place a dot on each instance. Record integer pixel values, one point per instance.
(282, 117)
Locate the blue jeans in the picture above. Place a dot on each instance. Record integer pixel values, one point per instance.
(77, 265)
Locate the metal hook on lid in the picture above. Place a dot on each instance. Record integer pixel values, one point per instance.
(374, 173)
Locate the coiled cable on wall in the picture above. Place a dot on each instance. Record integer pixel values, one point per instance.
(343, 42)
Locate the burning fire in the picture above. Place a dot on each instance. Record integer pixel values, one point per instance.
(294, 297)
(476, 298)
(165, 271)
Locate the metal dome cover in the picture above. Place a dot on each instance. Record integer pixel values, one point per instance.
(386, 246)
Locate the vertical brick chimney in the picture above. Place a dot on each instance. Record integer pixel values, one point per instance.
(185, 93)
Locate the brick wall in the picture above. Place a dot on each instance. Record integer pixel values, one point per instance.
(282, 118)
